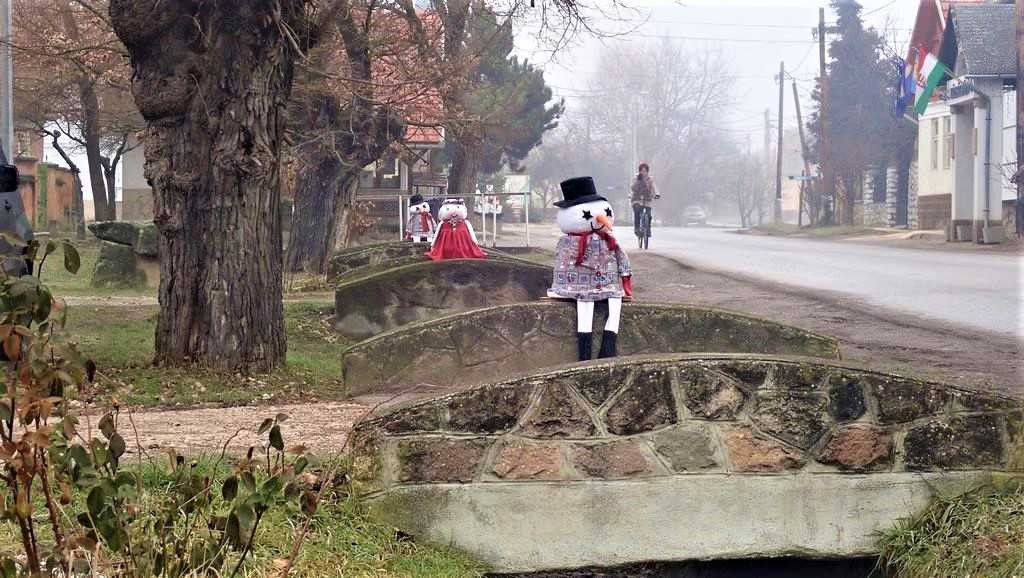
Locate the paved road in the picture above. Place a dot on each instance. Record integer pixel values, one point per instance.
(978, 290)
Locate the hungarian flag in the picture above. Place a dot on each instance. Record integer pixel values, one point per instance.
(929, 73)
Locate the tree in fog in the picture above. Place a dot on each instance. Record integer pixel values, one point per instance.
(861, 128)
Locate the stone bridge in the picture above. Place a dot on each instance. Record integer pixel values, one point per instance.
(395, 296)
(680, 457)
(486, 345)
(368, 259)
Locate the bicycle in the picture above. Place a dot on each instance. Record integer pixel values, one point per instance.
(643, 229)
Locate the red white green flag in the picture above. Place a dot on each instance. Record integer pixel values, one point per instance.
(929, 73)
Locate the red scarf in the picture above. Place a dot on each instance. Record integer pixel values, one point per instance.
(425, 221)
(610, 241)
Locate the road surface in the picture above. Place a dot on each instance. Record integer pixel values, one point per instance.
(982, 291)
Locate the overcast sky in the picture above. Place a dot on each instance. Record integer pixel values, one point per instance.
(753, 34)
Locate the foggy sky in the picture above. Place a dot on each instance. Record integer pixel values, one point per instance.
(753, 34)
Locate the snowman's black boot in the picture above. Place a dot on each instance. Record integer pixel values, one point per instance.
(608, 344)
(584, 345)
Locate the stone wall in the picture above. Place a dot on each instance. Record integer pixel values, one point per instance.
(934, 211)
(427, 289)
(490, 344)
(679, 457)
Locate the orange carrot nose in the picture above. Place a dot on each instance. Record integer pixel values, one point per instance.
(604, 220)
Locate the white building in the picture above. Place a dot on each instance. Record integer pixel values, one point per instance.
(979, 42)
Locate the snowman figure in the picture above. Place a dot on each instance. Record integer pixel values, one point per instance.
(455, 238)
(421, 226)
(590, 265)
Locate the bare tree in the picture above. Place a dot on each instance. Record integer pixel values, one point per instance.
(72, 71)
(665, 104)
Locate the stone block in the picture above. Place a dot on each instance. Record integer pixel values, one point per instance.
(558, 415)
(858, 447)
(710, 395)
(749, 452)
(647, 405)
(487, 410)
(598, 386)
(845, 398)
(960, 443)
(117, 267)
(119, 232)
(750, 374)
(686, 448)
(793, 416)
(528, 461)
(147, 240)
(901, 400)
(799, 376)
(420, 418)
(440, 459)
(618, 459)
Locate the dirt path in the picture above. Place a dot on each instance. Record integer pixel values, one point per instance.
(884, 340)
(321, 427)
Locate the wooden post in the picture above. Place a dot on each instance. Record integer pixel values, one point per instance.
(808, 186)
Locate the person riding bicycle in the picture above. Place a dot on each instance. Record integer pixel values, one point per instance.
(641, 193)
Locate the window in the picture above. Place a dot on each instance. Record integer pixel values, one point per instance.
(935, 143)
(947, 142)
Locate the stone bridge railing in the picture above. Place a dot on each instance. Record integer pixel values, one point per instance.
(680, 457)
(423, 290)
(491, 344)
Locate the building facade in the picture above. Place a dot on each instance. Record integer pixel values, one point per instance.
(979, 46)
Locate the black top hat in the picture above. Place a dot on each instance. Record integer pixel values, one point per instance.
(415, 199)
(8, 178)
(578, 191)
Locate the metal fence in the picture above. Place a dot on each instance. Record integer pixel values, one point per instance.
(488, 210)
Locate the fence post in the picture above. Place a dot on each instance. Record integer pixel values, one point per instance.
(526, 203)
(401, 219)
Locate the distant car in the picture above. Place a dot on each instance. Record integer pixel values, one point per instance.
(694, 215)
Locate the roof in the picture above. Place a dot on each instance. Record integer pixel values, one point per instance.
(981, 39)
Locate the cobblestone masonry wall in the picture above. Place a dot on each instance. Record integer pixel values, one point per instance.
(679, 415)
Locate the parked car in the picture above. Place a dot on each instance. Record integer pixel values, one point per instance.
(694, 215)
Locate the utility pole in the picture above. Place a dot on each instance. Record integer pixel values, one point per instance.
(827, 184)
(778, 147)
(1020, 120)
(6, 83)
(807, 163)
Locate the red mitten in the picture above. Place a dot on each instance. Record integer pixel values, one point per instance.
(627, 286)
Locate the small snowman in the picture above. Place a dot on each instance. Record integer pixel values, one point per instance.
(590, 265)
(455, 238)
(421, 226)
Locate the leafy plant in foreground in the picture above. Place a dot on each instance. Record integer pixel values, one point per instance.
(75, 507)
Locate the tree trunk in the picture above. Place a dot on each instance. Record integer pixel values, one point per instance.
(319, 200)
(90, 125)
(110, 176)
(462, 174)
(213, 95)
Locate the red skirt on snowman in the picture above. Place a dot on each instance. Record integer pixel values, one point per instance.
(454, 242)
